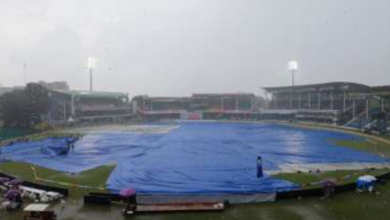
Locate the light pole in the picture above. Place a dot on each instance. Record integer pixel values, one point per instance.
(91, 64)
(24, 74)
(383, 104)
(293, 67)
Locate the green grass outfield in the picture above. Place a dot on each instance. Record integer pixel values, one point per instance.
(342, 176)
(370, 145)
(94, 179)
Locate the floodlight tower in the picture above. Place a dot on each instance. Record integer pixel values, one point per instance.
(91, 64)
(293, 67)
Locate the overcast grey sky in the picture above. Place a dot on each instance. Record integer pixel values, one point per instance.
(179, 47)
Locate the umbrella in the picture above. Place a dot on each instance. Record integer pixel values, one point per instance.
(13, 193)
(329, 183)
(367, 178)
(127, 192)
(15, 182)
(4, 180)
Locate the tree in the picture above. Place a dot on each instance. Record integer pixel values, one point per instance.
(13, 108)
(24, 107)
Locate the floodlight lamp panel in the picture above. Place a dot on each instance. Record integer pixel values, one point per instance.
(293, 65)
(91, 62)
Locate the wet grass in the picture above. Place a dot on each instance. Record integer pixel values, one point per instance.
(312, 180)
(306, 180)
(369, 145)
(386, 137)
(10, 133)
(41, 136)
(95, 178)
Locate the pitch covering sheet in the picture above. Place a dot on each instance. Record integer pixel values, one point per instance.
(196, 157)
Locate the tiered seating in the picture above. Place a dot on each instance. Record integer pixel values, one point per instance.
(330, 116)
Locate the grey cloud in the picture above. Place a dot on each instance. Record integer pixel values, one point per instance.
(173, 47)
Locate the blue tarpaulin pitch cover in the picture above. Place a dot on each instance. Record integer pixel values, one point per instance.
(195, 157)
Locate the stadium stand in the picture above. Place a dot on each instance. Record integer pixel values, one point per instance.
(198, 106)
(343, 103)
(88, 106)
(68, 107)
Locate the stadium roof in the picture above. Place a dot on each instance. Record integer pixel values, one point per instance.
(87, 94)
(198, 95)
(322, 87)
(164, 99)
(382, 91)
